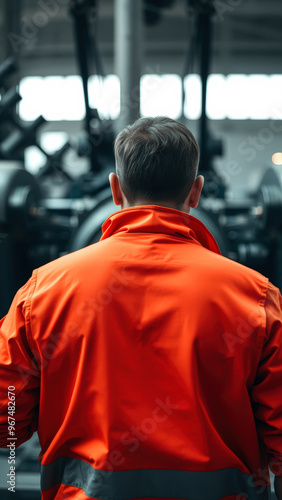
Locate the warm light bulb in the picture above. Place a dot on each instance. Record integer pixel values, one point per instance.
(277, 159)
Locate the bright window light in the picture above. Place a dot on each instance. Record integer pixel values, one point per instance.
(73, 107)
(192, 103)
(95, 91)
(161, 95)
(53, 98)
(275, 93)
(31, 91)
(238, 97)
(217, 101)
(105, 96)
(110, 106)
(259, 97)
(277, 159)
(52, 141)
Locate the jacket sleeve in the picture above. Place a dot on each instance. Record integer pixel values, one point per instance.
(267, 390)
(19, 374)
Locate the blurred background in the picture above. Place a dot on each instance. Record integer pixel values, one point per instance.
(74, 73)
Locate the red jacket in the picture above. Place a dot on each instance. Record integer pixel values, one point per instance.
(150, 365)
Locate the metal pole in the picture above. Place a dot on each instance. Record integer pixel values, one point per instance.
(11, 27)
(11, 38)
(81, 13)
(128, 57)
(204, 28)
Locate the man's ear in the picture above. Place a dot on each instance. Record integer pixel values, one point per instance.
(192, 199)
(116, 189)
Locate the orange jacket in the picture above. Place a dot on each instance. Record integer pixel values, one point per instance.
(150, 365)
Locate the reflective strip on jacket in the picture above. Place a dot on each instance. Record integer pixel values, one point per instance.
(150, 365)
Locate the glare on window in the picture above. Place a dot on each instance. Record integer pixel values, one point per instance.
(192, 102)
(217, 99)
(161, 95)
(31, 91)
(238, 94)
(235, 96)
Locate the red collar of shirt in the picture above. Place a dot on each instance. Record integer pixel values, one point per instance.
(159, 219)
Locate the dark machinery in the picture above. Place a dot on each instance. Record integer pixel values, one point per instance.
(40, 213)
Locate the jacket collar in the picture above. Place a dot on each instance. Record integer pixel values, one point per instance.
(159, 219)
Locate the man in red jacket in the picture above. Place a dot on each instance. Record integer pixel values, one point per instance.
(149, 364)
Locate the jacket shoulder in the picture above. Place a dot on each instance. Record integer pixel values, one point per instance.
(236, 274)
(73, 260)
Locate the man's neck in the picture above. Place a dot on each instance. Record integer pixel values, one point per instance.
(158, 203)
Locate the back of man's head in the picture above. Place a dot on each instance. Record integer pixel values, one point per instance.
(156, 159)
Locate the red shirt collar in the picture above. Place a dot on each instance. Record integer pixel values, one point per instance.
(159, 219)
